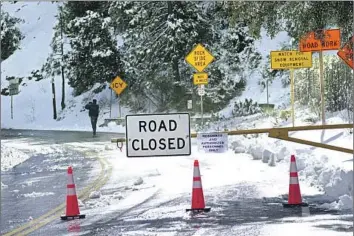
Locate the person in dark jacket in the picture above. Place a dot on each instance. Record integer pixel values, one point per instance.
(93, 113)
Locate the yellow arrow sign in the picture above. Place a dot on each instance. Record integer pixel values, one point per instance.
(199, 58)
(118, 85)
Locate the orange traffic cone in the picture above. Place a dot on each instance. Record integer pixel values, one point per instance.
(198, 204)
(72, 206)
(294, 198)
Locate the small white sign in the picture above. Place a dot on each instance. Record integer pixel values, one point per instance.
(212, 142)
(158, 135)
(201, 91)
(189, 104)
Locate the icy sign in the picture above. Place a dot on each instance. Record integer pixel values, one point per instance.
(158, 135)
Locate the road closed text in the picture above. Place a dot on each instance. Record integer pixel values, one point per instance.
(158, 135)
(161, 143)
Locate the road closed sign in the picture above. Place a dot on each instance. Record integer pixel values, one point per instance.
(158, 135)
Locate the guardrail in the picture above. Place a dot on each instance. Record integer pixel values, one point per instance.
(283, 134)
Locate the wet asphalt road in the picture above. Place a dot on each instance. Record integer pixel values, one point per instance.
(39, 184)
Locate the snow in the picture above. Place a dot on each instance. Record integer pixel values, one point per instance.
(255, 167)
(11, 157)
(32, 107)
(36, 194)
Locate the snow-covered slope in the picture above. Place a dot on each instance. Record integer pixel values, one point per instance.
(33, 106)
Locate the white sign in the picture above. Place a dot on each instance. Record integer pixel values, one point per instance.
(212, 142)
(201, 91)
(158, 135)
(189, 104)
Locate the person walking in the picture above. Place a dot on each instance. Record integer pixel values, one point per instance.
(93, 113)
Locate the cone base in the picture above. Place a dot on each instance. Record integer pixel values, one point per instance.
(206, 209)
(287, 205)
(72, 217)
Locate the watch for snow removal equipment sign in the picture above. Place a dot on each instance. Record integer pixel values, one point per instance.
(118, 85)
(212, 142)
(199, 58)
(290, 59)
(320, 40)
(158, 135)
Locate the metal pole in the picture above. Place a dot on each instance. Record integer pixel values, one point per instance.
(322, 89)
(12, 115)
(201, 108)
(267, 93)
(110, 106)
(120, 111)
(292, 96)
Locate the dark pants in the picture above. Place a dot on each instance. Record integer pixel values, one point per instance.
(93, 123)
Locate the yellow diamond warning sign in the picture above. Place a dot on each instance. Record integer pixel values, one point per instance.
(199, 58)
(118, 85)
(290, 59)
(200, 78)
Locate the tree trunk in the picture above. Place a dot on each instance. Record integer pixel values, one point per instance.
(54, 102)
(62, 66)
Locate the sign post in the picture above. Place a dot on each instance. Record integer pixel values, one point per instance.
(200, 58)
(13, 90)
(292, 82)
(318, 41)
(158, 135)
(118, 85)
(201, 93)
(291, 60)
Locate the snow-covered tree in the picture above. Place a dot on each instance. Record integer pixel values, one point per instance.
(158, 35)
(94, 56)
(11, 35)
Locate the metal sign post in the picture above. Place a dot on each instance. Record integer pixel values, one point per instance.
(201, 93)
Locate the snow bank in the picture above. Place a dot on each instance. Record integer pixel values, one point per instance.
(36, 194)
(11, 157)
(330, 172)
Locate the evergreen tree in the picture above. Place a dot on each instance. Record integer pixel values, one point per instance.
(94, 56)
(158, 35)
(296, 18)
(11, 35)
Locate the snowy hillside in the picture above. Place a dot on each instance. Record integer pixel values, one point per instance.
(33, 106)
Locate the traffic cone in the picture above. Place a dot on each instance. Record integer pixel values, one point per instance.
(294, 198)
(198, 204)
(72, 206)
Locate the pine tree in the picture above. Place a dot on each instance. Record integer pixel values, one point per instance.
(11, 35)
(157, 37)
(94, 56)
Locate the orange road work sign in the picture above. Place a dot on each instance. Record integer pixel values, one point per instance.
(346, 52)
(320, 40)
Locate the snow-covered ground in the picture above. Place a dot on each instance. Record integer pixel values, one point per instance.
(244, 172)
(150, 195)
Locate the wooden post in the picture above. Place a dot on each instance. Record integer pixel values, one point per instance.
(322, 89)
(12, 111)
(292, 94)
